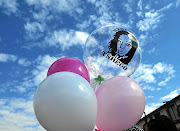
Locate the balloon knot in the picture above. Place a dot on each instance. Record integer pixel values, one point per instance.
(99, 79)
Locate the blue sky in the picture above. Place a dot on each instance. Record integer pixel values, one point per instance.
(35, 33)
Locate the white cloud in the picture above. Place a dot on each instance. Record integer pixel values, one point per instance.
(150, 97)
(164, 82)
(19, 89)
(147, 7)
(163, 67)
(47, 10)
(177, 3)
(7, 85)
(166, 7)
(23, 86)
(140, 5)
(66, 39)
(43, 64)
(104, 15)
(9, 6)
(147, 87)
(152, 50)
(43, 15)
(34, 30)
(13, 58)
(152, 18)
(35, 77)
(127, 7)
(171, 95)
(105, 18)
(73, 8)
(92, 1)
(139, 13)
(32, 2)
(150, 88)
(151, 21)
(159, 67)
(158, 89)
(7, 57)
(17, 114)
(33, 27)
(86, 23)
(151, 14)
(147, 73)
(144, 73)
(151, 107)
(142, 39)
(24, 62)
(58, 6)
(168, 68)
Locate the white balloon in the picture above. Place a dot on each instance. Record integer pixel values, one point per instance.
(65, 101)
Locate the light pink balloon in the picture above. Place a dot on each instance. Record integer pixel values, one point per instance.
(121, 103)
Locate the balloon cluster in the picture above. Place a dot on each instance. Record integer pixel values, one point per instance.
(67, 100)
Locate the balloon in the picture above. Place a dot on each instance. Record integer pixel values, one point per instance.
(71, 65)
(112, 51)
(95, 85)
(121, 103)
(65, 101)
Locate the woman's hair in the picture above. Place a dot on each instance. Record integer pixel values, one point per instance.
(162, 123)
(113, 46)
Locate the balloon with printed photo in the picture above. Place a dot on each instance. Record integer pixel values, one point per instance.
(112, 51)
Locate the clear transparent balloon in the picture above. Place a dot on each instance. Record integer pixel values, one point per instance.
(112, 51)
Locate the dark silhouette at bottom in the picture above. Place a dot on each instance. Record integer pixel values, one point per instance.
(162, 123)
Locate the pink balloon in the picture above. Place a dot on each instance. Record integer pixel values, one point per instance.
(69, 64)
(121, 103)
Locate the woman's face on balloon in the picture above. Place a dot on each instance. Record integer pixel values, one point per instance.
(124, 45)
